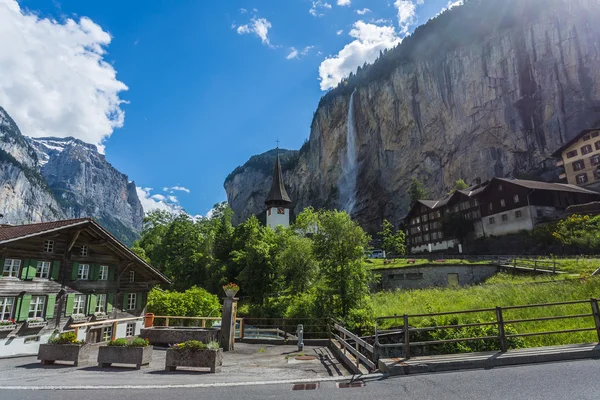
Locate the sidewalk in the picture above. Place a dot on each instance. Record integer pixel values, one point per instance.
(454, 362)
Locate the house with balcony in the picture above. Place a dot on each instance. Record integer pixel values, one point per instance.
(580, 158)
(495, 208)
(63, 273)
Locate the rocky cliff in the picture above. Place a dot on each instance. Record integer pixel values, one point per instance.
(46, 179)
(487, 89)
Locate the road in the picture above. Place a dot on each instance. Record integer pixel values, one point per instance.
(576, 380)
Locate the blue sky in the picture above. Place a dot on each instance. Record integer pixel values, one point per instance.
(181, 92)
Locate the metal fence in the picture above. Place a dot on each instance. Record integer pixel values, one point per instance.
(285, 328)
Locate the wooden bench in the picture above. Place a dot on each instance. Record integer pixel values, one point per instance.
(411, 261)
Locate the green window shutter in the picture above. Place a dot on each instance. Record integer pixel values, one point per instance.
(139, 301)
(1, 266)
(92, 301)
(70, 304)
(110, 299)
(111, 272)
(50, 306)
(28, 269)
(24, 308)
(55, 270)
(93, 272)
(125, 305)
(74, 271)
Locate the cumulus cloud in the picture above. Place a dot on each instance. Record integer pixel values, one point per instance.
(260, 27)
(151, 202)
(176, 188)
(339, 32)
(451, 5)
(343, 3)
(54, 78)
(363, 11)
(293, 54)
(407, 13)
(369, 41)
(318, 7)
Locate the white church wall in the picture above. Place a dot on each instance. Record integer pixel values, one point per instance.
(274, 218)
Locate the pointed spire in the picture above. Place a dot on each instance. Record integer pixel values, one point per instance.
(278, 195)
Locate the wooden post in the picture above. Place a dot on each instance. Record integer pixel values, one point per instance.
(596, 313)
(77, 332)
(241, 328)
(167, 321)
(284, 332)
(406, 337)
(343, 341)
(203, 323)
(114, 330)
(534, 265)
(515, 262)
(501, 333)
(554, 268)
(357, 358)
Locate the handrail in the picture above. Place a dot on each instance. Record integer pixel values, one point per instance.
(499, 322)
(104, 322)
(354, 350)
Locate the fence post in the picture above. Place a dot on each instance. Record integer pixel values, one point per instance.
(284, 331)
(501, 333)
(406, 338)
(357, 358)
(534, 265)
(515, 262)
(242, 328)
(167, 321)
(596, 313)
(343, 341)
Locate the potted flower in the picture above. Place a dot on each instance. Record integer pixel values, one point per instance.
(231, 289)
(100, 316)
(36, 322)
(122, 351)
(7, 325)
(64, 347)
(194, 353)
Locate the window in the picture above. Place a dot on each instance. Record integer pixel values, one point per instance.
(130, 329)
(43, 269)
(518, 214)
(83, 272)
(414, 276)
(595, 134)
(578, 165)
(100, 303)
(49, 246)
(500, 188)
(132, 274)
(586, 138)
(597, 174)
(491, 206)
(492, 220)
(504, 217)
(79, 304)
(572, 154)
(103, 273)
(36, 307)
(425, 218)
(595, 160)
(502, 203)
(84, 251)
(581, 179)
(107, 332)
(597, 144)
(11, 267)
(131, 301)
(516, 198)
(6, 308)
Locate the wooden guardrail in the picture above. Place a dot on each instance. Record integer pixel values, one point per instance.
(500, 323)
(344, 336)
(114, 322)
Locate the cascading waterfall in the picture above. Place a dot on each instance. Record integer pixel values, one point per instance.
(350, 164)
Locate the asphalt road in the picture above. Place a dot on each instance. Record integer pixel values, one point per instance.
(576, 380)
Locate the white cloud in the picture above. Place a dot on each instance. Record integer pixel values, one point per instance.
(293, 54)
(243, 10)
(317, 6)
(370, 40)
(54, 78)
(344, 3)
(451, 5)
(260, 27)
(339, 32)
(363, 11)
(181, 189)
(151, 202)
(407, 13)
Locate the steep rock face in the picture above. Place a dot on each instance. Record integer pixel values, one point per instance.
(499, 107)
(85, 184)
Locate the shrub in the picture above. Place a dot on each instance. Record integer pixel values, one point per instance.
(66, 338)
(138, 342)
(213, 345)
(194, 302)
(192, 345)
(118, 342)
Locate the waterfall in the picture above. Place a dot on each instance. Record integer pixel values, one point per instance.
(350, 164)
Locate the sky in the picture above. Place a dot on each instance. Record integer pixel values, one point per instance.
(179, 93)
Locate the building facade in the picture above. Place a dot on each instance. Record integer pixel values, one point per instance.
(495, 208)
(580, 158)
(58, 274)
(278, 201)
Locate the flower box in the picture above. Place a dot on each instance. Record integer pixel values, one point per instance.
(212, 359)
(139, 356)
(4, 328)
(100, 317)
(79, 318)
(76, 353)
(36, 323)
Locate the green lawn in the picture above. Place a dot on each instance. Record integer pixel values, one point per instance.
(403, 263)
(502, 290)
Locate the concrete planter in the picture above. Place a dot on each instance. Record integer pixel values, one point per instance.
(212, 359)
(169, 335)
(76, 353)
(5, 328)
(138, 356)
(36, 324)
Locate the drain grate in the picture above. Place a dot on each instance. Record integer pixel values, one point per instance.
(349, 385)
(305, 386)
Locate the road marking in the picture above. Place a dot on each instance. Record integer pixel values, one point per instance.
(191, 386)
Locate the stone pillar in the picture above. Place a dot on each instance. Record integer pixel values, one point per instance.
(228, 323)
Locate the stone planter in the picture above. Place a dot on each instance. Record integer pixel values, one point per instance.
(230, 293)
(212, 359)
(139, 356)
(163, 336)
(76, 353)
(5, 328)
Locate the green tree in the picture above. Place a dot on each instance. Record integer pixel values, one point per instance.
(456, 226)
(297, 262)
(340, 245)
(194, 302)
(392, 242)
(459, 185)
(416, 191)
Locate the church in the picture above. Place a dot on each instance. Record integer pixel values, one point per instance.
(278, 201)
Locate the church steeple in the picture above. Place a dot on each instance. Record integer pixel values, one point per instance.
(278, 195)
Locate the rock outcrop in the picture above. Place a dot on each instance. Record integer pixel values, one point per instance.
(497, 107)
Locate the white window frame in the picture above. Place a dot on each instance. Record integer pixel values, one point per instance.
(79, 304)
(83, 252)
(103, 273)
(131, 301)
(518, 214)
(502, 203)
(516, 198)
(49, 246)
(107, 332)
(7, 306)
(492, 221)
(37, 307)
(11, 269)
(132, 276)
(42, 270)
(504, 217)
(130, 329)
(83, 272)
(100, 303)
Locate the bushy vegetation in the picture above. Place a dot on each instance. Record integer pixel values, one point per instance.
(66, 338)
(194, 302)
(195, 345)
